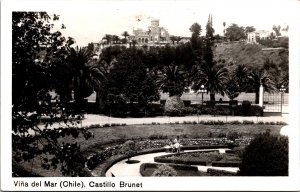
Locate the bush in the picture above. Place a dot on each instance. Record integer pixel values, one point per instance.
(128, 149)
(266, 155)
(164, 171)
(246, 110)
(246, 122)
(246, 107)
(154, 109)
(215, 172)
(255, 110)
(174, 106)
(233, 135)
(187, 103)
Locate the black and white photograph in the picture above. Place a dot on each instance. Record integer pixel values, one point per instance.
(122, 95)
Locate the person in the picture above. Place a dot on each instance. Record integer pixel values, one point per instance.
(177, 144)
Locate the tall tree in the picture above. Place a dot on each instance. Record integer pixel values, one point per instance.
(37, 50)
(125, 34)
(261, 77)
(235, 32)
(209, 43)
(196, 31)
(86, 76)
(214, 78)
(130, 80)
(241, 76)
(173, 80)
(108, 38)
(249, 29)
(115, 39)
(224, 30)
(277, 29)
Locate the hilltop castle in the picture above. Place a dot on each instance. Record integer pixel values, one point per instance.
(154, 35)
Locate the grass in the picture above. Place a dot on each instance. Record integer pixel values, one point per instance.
(105, 135)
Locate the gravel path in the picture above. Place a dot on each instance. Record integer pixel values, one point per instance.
(101, 119)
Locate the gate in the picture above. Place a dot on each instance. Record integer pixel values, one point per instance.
(273, 102)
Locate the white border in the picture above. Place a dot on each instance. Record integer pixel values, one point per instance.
(186, 183)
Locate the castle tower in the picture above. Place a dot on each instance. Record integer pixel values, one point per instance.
(154, 30)
(154, 23)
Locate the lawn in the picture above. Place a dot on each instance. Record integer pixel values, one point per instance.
(105, 135)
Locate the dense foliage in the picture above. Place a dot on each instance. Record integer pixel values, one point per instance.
(164, 171)
(37, 54)
(267, 155)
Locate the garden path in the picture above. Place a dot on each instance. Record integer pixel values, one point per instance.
(101, 119)
(122, 169)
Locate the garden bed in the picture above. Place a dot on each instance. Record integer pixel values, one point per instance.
(147, 169)
(205, 158)
(107, 140)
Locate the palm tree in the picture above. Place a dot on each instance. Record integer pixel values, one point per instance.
(125, 34)
(172, 79)
(115, 39)
(241, 77)
(86, 76)
(261, 77)
(108, 38)
(224, 24)
(213, 77)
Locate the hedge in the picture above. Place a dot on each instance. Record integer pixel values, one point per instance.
(144, 166)
(216, 172)
(225, 164)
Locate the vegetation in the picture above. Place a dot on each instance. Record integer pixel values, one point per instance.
(128, 149)
(267, 155)
(51, 78)
(164, 171)
(37, 54)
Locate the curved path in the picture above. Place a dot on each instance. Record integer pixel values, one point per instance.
(122, 169)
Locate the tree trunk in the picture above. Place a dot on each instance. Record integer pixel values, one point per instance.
(100, 101)
(212, 97)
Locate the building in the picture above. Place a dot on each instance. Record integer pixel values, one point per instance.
(254, 36)
(154, 35)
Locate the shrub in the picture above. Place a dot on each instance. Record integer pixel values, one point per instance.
(189, 110)
(266, 155)
(215, 172)
(255, 110)
(233, 135)
(164, 171)
(260, 123)
(187, 103)
(174, 106)
(235, 122)
(128, 149)
(246, 122)
(246, 107)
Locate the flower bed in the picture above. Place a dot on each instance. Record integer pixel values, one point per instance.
(189, 144)
(147, 169)
(211, 157)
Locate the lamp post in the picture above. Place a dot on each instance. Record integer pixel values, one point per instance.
(282, 90)
(202, 90)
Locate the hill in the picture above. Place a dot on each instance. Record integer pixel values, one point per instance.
(251, 55)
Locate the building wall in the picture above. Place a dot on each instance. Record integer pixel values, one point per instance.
(154, 34)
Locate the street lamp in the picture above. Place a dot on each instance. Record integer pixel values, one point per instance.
(202, 90)
(282, 90)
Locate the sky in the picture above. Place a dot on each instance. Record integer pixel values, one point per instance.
(89, 22)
